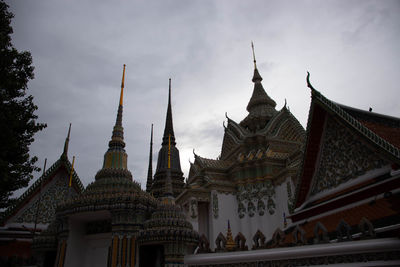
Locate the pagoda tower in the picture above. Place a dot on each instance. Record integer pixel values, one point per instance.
(176, 174)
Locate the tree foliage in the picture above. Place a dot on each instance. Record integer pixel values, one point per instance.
(17, 119)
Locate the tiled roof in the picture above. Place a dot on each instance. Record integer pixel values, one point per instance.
(213, 163)
(386, 127)
(45, 178)
(380, 209)
(380, 130)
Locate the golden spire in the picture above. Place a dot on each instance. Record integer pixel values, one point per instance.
(122, 87)
(169, 151)
(72, 171)
(230, 244)
(254, 56)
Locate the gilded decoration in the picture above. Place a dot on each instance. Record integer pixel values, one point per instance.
(260, 193)
(344, 157)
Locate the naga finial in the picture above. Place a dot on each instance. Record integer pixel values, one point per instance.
(308, 82)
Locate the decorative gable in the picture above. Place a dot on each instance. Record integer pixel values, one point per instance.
(53, 193)
(343, 157)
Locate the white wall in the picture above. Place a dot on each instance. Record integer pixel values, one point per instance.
(97, 250)
(248, 226)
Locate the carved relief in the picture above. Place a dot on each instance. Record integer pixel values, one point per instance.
(220, 243)
(291, 199)
(299, 236)
(271, 206)
(366, 228)
(278, 237)
(343, 158)
(261, 193)
(240, 242)
(259, 240)
(204, 245)
(261, 207)
(215, 205)
(343, 231)
(251, 209)
(193, 208)
(320, 234)
(241, 210)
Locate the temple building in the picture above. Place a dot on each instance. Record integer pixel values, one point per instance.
(113, 222)
(278, 195)
(248, 184)
(345, 207)
(35, 209)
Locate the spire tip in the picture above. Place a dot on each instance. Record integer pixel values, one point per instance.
(254, 56)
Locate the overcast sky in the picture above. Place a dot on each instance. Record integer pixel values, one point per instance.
(351, 49)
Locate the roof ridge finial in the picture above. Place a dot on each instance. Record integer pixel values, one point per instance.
(254, 55)
(66, 144)
(150, 170)
(121, 97)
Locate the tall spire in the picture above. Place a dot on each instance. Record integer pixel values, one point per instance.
(65, 152)
(150, 170)
(117, 139)
(261, 107)
(116, 157)
(169, 128)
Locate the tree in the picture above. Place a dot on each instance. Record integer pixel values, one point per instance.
(17, 119)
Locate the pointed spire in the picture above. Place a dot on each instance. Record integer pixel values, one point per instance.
(66, 144)
(169, 128)
(115, 157)
(117, 139)
(259, 96)
(256, 76)
(150, 170)
(261, 107)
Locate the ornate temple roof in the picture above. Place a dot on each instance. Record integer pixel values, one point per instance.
(376, 130)
(62, 164)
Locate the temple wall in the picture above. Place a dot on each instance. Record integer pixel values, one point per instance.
(248, 226)
(76, 245)
(97, 250)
